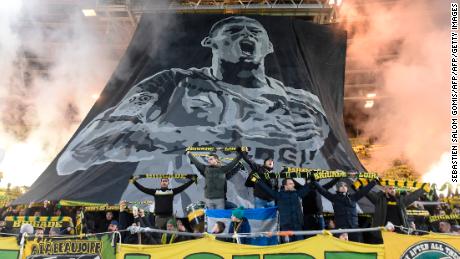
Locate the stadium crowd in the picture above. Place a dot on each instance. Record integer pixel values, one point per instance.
(299, 207)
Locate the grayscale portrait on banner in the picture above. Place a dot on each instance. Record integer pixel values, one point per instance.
(231, 103)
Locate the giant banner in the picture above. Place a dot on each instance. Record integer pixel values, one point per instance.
(274, 84)
(318, 247)
(421, 247)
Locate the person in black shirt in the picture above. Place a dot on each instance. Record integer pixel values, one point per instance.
(391, 207)
(261, 198)
(288, 200)
(102, 224)
(164, 198)
(344, 204)
(312, 206)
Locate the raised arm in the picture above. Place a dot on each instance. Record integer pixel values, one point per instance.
(248, 182)
(324, 192)
(373, 196)
(303, 190)
(268, 190)
(232, 164)
(251, 163)
(143, 188)
(363, 191)
(200, 166)
(331, 183)
(412, 197)
(297, 185)
(182, 187)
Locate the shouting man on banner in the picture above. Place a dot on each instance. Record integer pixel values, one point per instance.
(233, 102)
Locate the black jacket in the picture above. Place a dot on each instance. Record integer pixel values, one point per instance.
(242, 227)
(291, 217)
(380, 202)
(312, 203)
(163, 197)
(261, 171)
(344, 204)
(102, 225)
(126, 220)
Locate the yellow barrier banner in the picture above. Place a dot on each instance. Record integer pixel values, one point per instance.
(318, 247)
(84, 247)
(421, 247)
(9, 248)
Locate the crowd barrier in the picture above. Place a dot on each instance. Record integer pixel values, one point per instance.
(322, 246)
(9, 248)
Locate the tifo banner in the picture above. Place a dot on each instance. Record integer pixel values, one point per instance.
(94, 247)
(318, 247)
(15, 222)
(421, 247)
(9, 248)
(273, 84)
(260, 220)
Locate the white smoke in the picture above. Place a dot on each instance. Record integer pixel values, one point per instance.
(438, 172)
(41, 109)
(413, 122)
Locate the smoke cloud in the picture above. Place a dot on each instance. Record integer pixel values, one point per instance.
(407, 42)
(49, 74)
(54, 65)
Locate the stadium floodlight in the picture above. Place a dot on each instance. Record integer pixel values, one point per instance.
(89, 12)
